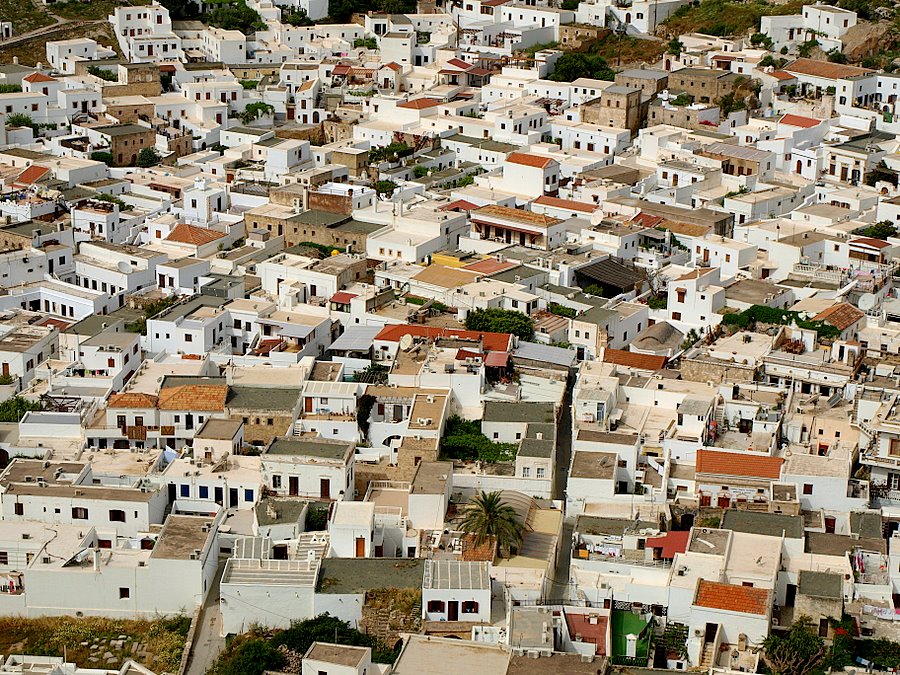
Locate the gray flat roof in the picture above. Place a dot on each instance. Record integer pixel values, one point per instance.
(358, 575)
(772, 524)
(500, 411)
(263, 398)
(307, 447)
(820, 584)
(456, 575)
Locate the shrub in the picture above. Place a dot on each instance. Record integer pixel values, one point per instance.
(501, 321)
(14, 409)
(463, 440)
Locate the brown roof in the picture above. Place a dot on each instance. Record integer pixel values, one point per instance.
(39, 77)
(571, 204)
(869, 241)
(824, 69)
(739, 464)
(446, 277)
(841, 315)
(800, 121)
(474, 553)
(634, 360)
(132, 400)
(190, 234)
(687, 229)
(731, 598)
(781, 75)
(526, 159)
(519, 215)
(207, 397)
(420, 103)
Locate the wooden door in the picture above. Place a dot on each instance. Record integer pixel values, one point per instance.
(325, 488)
(360, 547)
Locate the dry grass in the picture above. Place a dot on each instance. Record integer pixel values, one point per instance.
(160, 642)
(25, 15)
(31, 52)
(623, 51)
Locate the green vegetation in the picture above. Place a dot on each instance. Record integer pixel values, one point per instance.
(103, 73)
(385, 187)
(296, 17)
(571, 5)
(374, 373)
(800, 651)
(249, 84)
(724, 17)
(19, 120)
(880, 651)
(341, 10)
(730, 103)
(316, 518)
(256, 110)
(501, 321)
(761, 40)
(836, 56)
(365, 43)
(880, 230)
(150, 310)
(25, 16)
(389, 153)
(103, 197)
(674, 47)
(574, 65)
(488, 518)
(322, 248)
(539, 47)
(463, 440)
(14, 409)
(562, 310)
(420, 171)
(437, 306)
(54, 636)
(10, 88)
(806, 48)
(235, 16)
(101, 156)
(657, 302)
(254, 653)
(690, 339)
(770, 61)
(779, 317)
(148, 157)
(682, 99)
(90, 10)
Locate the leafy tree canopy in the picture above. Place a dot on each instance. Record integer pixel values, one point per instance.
(573, 65)
(501, 321)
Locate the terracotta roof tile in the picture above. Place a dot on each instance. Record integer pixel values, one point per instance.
(670, 543)
(490, 341)
(841, 315)
(525, 159)
(572, 205)
(489, 266)
(32, 175)
(634, 360)
(132, 400)
(420, 103)
(731, 598)
(39, 77)
(205, 397)
(739, 464)
(473, 553)
(190, 234)
(781, 75)
(869, 241)
(799, 121)
(824, 69)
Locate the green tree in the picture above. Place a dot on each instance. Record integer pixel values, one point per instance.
(880, 230)
(326, 628)
(881, 173)
(256, 110)
(148, 157)
(761, 39)
(296, 17)
(488, 518)
(14, 409)
(420, 171)
(235, 16)
(249, 657)
(19, 120)
(675, 47)
(495, 320)
(385, 187)
(101, 156)
(836, 56)
(573, 65)
(798, 652)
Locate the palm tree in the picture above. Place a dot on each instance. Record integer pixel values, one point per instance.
(488, 517)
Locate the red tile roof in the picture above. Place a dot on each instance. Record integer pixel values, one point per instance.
(570, 204)
(525, 159)
(670, 544)
(496, 359)
(501, 342)
(841, 315)
(459, 63)
(39, 77)
(781, 75)
(634, 360)
(869, 241)
(190, 234)
(731, 598)
(420, 103)
(32, 174)
(458, 205)
(343, 297)
(205, 397)
(131, 400)
(738, 464)
(393, 65)
(800, 121)
(824, 69)
(591, 628)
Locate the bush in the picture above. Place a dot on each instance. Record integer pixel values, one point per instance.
(779, 317)
(881, 230)
(326, 628)
(10, 88)
(253, 656)
(103, 73)
(19, 120)
(14, 409)
(235, 16)
(574, 65)
(463, 440)
(100, 156)
(316, 519)
(365, 43)
(383, 187)
(420, 171)
(562, 310)
(501, 321)
(148, 157)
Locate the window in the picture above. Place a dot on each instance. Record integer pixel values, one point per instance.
(276, 482)
(540, 472)
(19, 509)
(676, 316)
(807, 488)
(116, 516)
(124, 593)
(185, 491)
(681, 293)
(526, 472)
(436, 606)
(469, 607)
(204, 492)
(248, 495)
(79, 513)
(4, 558)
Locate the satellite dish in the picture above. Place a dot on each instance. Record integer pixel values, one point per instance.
(124, 266)
(867, 301)
(406, 342)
